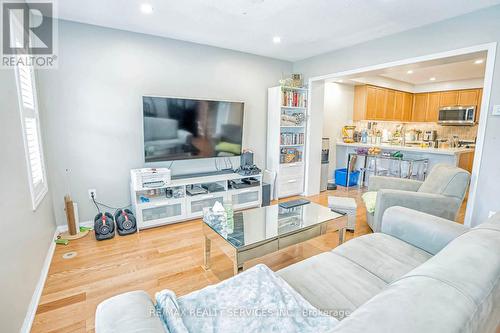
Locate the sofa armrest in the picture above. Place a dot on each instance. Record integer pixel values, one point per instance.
(430, 203)
(129, 312)
(184, 136)
(380, 182)
(427, 232)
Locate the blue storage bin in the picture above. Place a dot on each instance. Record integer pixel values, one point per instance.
(341, 177)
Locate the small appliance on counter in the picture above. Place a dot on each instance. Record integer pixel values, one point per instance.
(430, 138)
(348, 134)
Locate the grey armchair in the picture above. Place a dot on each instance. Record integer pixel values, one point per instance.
(441, 194)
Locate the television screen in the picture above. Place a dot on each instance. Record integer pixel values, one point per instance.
(179, 128)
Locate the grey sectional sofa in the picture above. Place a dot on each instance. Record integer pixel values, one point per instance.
(420, 274)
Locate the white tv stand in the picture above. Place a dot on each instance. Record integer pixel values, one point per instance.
(172, 203)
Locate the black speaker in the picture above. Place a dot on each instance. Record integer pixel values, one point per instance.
(246, 158)
(104, 226)
(125, 222)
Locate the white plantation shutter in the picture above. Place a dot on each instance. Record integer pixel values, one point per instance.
(31, 133)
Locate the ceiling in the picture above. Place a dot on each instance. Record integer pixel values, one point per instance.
(306, 27)
(462, 70)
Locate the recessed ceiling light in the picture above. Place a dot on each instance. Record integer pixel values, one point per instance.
(409, 72)
(479, 61)
(276, 39)
(146, 8)
(432, 79)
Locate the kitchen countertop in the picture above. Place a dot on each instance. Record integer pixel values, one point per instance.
(439, 151)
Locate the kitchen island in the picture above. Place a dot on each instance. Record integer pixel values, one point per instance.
(461, 157)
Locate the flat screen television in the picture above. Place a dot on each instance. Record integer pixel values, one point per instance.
(184, 128)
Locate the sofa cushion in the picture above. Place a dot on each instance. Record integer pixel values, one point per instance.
(446, 180)
(384, 256)
(256, 300)
(332, 283)
(412, 305)
(370, 199)
(341, 280)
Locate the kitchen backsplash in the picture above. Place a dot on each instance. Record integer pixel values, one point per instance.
(443, 132)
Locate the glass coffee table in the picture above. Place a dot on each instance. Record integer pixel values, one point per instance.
(260, 231)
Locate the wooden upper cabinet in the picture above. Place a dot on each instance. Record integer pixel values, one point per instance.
(468, 97)
(359, 103)
(377, 103)
(448, 98)
(371, 103)
(420, 104)
(390, 104)
(479, 103)
(407, 107)
(381, 100)
(403, 105)
(399, 101)
(433, 107)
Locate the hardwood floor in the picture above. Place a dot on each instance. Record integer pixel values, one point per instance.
(154, 259)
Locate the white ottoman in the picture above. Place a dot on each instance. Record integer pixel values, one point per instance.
(347, 206)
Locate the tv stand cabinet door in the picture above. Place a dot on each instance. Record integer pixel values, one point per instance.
(170, 211)
(245, 198)
(196, 203)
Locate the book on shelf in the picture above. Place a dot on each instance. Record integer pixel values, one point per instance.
(290, 155)
(294, 98)
(291, 138)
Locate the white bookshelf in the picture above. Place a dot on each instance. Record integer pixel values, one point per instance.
(286, 139)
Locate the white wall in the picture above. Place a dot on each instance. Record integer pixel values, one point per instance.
(449, 85)
(92, 104)
(26, 234)
(338, 111)
(467, 30)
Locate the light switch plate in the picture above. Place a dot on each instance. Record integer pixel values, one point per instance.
(496, 110)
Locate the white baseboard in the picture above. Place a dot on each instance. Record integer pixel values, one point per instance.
(35, 299)
(64, 228)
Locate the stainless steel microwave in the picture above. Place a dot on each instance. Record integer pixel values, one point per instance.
(457, 115)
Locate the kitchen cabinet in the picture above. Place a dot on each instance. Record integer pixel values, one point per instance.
(433, 107)
(420, 104)
(390, 104)
(407, 106)
(468, 97)
(466, 161)
(448, 98)
(377, 103)
(479, 103)
(381, 104)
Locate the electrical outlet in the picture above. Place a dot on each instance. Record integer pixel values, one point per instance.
(496, 110)
(93, 192)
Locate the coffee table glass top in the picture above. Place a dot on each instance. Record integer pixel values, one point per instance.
(266, 223)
